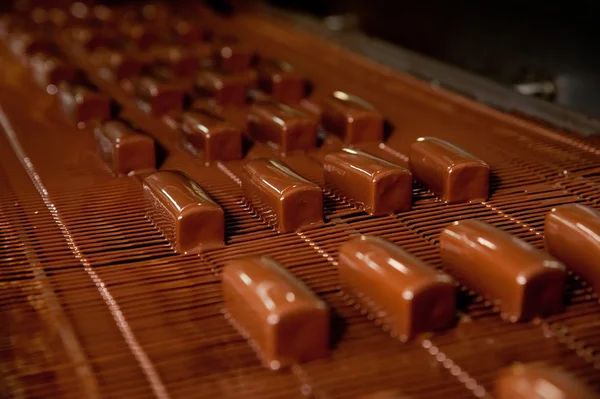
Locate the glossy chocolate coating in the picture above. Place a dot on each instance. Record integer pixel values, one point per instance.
(377, 185)
(281, 81)
(284, 320)
(84, 104)
(289, 128)
(185, 214)
(406, 294)
(50, 70)
(540, 381)
(351, 118)
(207, 132)
(226, 88)
(572, 235)
(116, 65)
(160, 97)
(183, 63)
(232, 56)
(449, 171)
(123, 149)
(525, 282)
(284, 199)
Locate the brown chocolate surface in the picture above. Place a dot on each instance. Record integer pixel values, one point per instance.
(407, 295)
(184, 213)
(526, 381)
(281, 197)
(94, 302)
(524, 281)
(280, 80)
(211, 137)
(449, 171)
(83, 104)
(572, 235)
(285, 321)
(224, 87)
(378, 186)
(159, 97)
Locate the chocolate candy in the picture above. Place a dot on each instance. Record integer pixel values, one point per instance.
(406, 294)
(284, 320)
(525, 281)
(281, 81)
(184, 213)
(25, 44)
(84, 104)
(280, 196)
(91, 39)
(231, 56)
(123, 149)
(449, 171)
(572, 235)
(289, 128)
(187, 32)
(212, 135)
(183, 63)
(142, 34)
(351, 118)
(539, 381)
(159, 97)
(377, 185)
(226, 88)
(116, 65)
(50, 70)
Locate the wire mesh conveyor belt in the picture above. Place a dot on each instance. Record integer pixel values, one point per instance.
(95, 303)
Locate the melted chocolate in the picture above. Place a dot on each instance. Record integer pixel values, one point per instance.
(572, 235)
(124, 150)
(377, 185)
(282, 125)
(450, 172)
(216, 139)
(282, 198)
(285, 321)
(409, 296)
(351, 118)
(184, 213)
(539, 381)
(524, 281)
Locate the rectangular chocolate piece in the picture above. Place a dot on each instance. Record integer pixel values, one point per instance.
(524, 281)
(225, 88)
(123, 149)
(407, 295)
(185, 214)
(539, 380)
(283, 319)
(378, 186)
(116, 65)
(281, 197)
(449, 171)
(352, 119)
(160, 97)
(183, 63)
(210, 134)
(83, 104)
(50, 70)
(572, 235)
(289, 128)
(232, 56)
(281, 81)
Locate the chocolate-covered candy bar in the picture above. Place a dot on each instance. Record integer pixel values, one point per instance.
(84, 104)
(232, 56)
(142, 34)
(351, 118)
(183, 63)
(281, 81)
(91, 39)
(289, 128)
(160, 97)
(123, 149)
(185, 214)
(572, 235)
(409, 296)
(50, 70)
(540, 381)
(377, 185)
(524, 281)
(284, 320)
(210, 134)
(226, 88)
(449, 171)
(116, 65)
(188, 32)
(284, 199)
